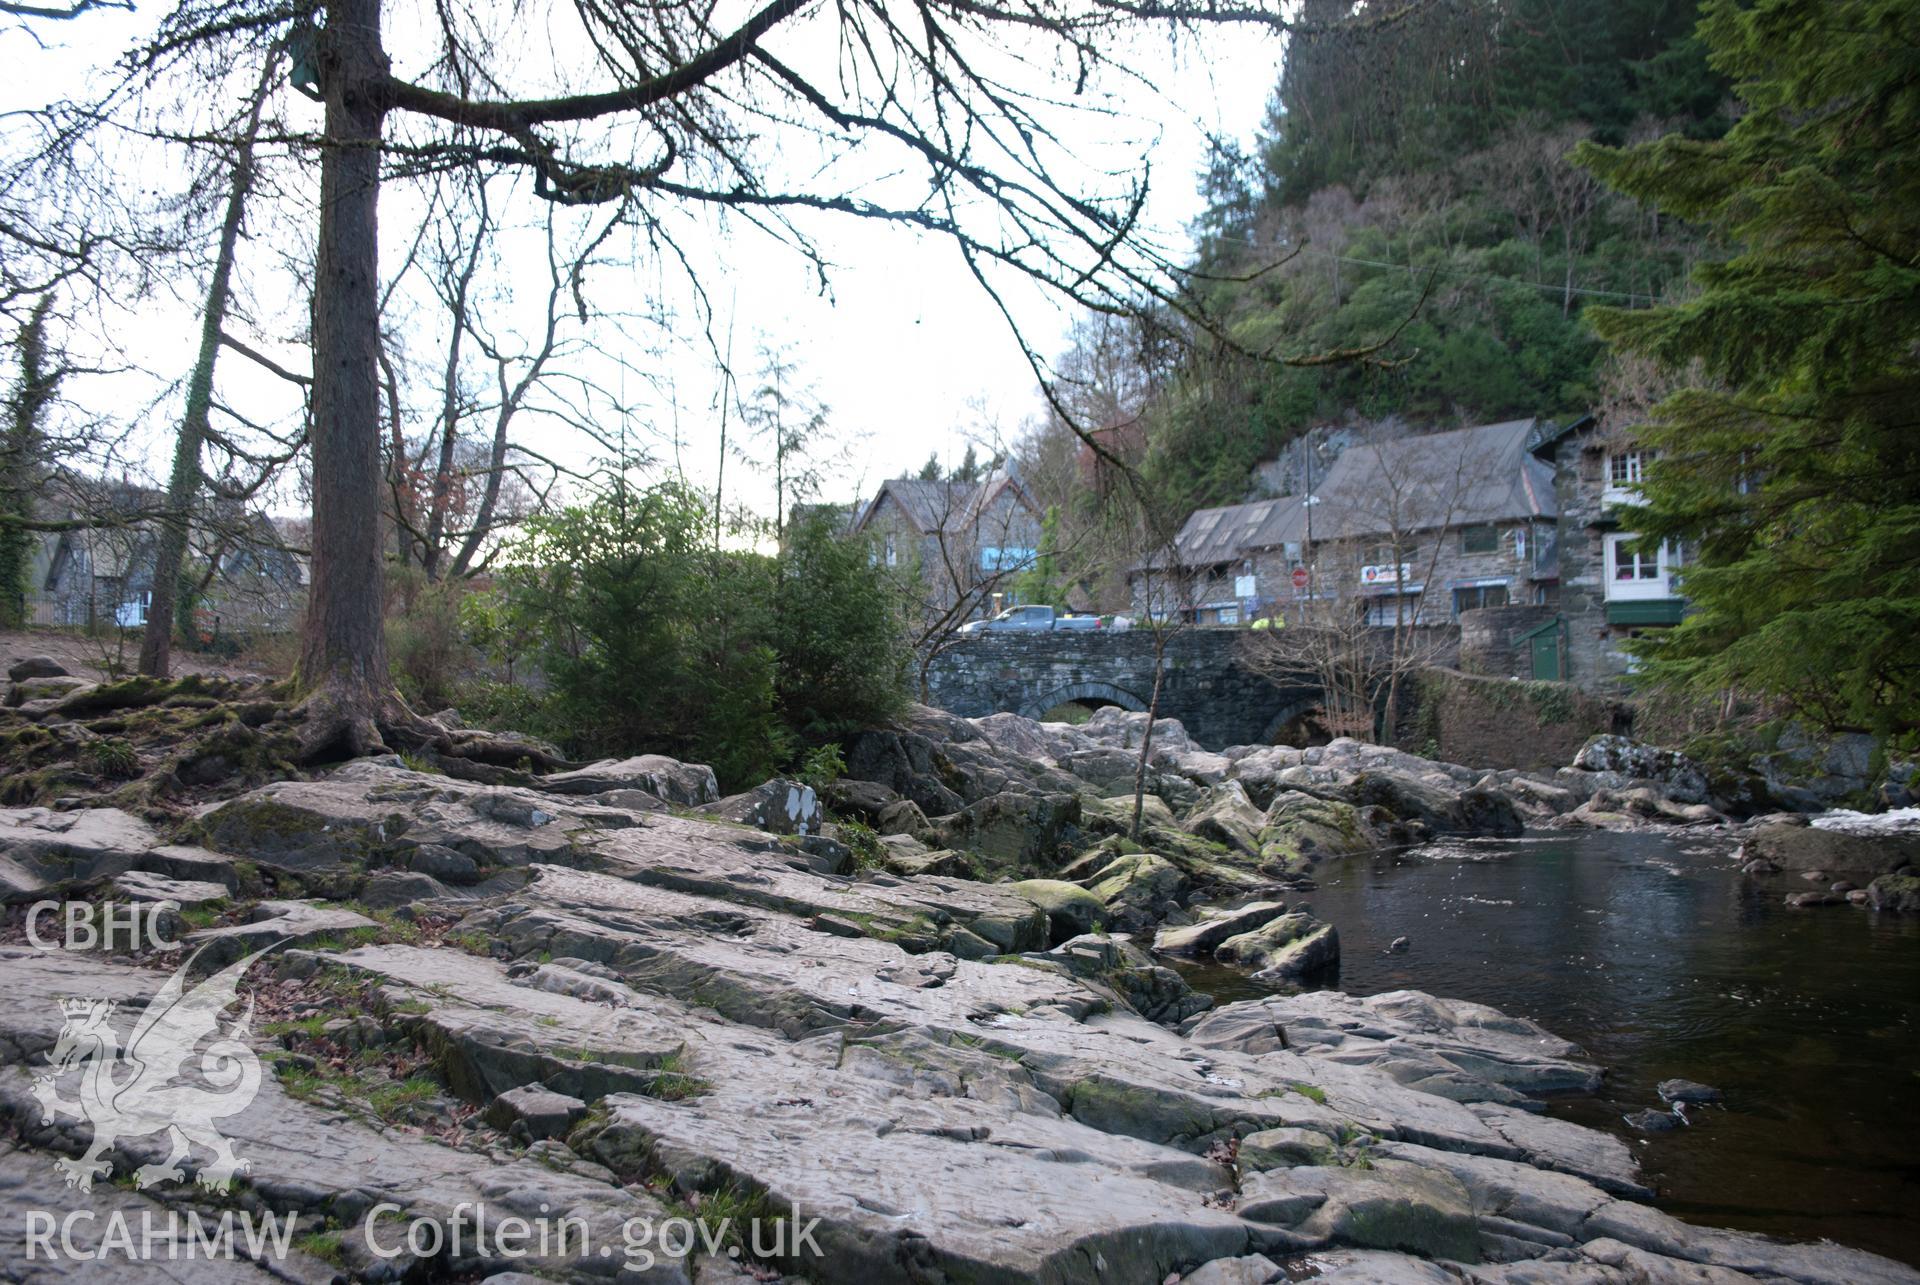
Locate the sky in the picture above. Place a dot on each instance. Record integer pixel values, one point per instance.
(905, 350)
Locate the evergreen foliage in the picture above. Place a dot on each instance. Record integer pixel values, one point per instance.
(654, 640)
(1426, 159)
(1792, 455)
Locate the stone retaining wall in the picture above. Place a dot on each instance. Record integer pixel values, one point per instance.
(1494, 722)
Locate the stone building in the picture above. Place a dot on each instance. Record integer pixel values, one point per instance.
(1416, 528)
(958, 541)
(1227, 565)
(1424, 528)
(1613, 586)
(98, 572)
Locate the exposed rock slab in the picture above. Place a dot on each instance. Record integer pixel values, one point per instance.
(42, 850)
(687, 784)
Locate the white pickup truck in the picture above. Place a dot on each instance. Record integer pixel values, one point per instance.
(1030, 620)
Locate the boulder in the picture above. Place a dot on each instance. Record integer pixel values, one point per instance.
(778, 806)
(391, 889)
(686, 784)
(142, 885)
(1201, 939)
(1257, 770)
(1448, 1048)
(1284, 949)
(1322, 782)
(902, 817)
(42, 852)
(443, 863)
(1022, 737)
(1444, 808)
(530, 1113)
(1899, 891)
(1138, 890)
(1124, 728)
(1106, 769)
(1808, 773)
(1900, 787)
(36, 667)
(1812, 847)
(30, 690)
(1391, 1205)
(1638, 807)
(1115, 815)
(900, 859)
(1682, 778)
(1300, 829)
(1538, 800)
(943, 763)
(274, 923)
(862, 801)
(1255, 1269)
(1012, 831)
(1071, 910)
(1227, 817)
(1690, 1091)
(1285, 1147)
(1200, 766)
(1647, 1120)
(1155, 992)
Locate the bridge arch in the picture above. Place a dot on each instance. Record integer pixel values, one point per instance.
(1087, 693)
(1278, 723)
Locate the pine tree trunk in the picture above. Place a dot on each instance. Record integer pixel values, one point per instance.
(156, 643)
(343, 655)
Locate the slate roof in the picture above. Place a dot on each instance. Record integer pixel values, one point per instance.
(1224, 534)
(1463, 477)
(936, 505)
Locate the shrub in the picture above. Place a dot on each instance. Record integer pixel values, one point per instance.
(427, 650)
(653, 639)
(822, 766)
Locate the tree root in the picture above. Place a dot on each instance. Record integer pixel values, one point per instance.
(340, 721)
(344, 720)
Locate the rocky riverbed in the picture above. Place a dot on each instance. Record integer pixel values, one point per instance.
(931, 1040)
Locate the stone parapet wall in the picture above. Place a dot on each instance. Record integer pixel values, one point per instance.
(1206, 686)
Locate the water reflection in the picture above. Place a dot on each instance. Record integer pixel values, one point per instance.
(1658, 958)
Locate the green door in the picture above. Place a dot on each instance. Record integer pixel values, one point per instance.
(1546, 653)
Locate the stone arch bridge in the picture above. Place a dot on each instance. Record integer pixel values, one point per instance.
(1206, 686)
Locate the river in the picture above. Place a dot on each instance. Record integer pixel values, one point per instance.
(1661, 960)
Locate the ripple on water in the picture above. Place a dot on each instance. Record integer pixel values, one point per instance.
(1660, 960)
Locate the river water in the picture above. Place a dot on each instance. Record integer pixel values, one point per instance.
(1657, 957)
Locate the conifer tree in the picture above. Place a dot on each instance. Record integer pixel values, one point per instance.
(1791, 455)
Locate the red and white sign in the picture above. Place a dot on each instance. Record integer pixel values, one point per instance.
(1386, 573)
(1300, 578)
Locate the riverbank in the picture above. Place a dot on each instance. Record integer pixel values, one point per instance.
(1660, 960)
(610, 988)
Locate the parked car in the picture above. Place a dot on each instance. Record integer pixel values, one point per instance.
(1030, 620)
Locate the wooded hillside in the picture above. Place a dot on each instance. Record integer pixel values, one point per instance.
(1423, 157)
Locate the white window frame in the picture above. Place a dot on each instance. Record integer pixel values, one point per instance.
(1660, 584)
(1625, 488)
